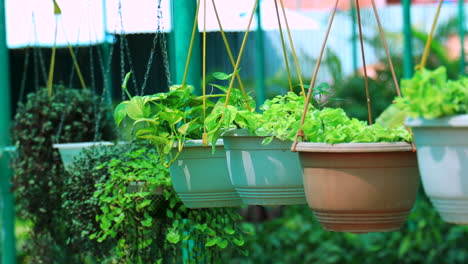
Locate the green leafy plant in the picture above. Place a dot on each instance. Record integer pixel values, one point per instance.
(430, 95)
(150, 224)
(332, 126)
(297, 237)
(280, 117)
(80, 204)
(164, 119)
(38, 171)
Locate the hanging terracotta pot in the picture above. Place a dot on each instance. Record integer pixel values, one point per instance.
(442, 147)
(68, 151)
(200, 177)
(360, 187)
(263, 174)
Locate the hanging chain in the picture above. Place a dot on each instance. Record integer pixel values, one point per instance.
(43, 69)
(163, 44)
(125, 50)
(153, 49)
(24, 76)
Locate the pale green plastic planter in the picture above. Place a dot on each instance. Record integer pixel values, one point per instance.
(442, 150)
(264, 174)
(201, 178)
(68, 151)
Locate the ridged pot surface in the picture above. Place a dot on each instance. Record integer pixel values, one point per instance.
(201, 178)
(442, 147)
(357, 187)
(264, 174)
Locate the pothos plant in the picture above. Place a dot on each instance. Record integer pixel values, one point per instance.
(164, 119)
(153, 227)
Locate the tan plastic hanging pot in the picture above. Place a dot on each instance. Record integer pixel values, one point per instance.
(358, 187)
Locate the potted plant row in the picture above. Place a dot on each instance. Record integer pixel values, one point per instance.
(254, 162)
(437, 110)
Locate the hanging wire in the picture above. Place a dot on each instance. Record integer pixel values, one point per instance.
(192, 40)
(241, 52)
(52, 59)
(387, 52)
(293, 50)
(300, 132)
(366, 79)
(231, 57)
(283, 45)
(24, 76)
(38, 54)
(427, 48)
(204, 135)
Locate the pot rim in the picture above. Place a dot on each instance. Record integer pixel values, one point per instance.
(448, 121)
(240, 132)
(193, 143)
(354, 147)
(75, 145)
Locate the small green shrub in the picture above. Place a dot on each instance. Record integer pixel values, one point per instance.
(81, 205)
(38, 170)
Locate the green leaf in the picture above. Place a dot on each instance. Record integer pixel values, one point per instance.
(222, 243)
(119, 219)
(147, 222)
(173, 237)
(120, 112)
(211, 242)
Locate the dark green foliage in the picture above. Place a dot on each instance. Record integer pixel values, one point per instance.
(297, 237)
(151, 226)
(38, 170)
(81, 205)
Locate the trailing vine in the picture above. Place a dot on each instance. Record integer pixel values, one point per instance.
(141, 211)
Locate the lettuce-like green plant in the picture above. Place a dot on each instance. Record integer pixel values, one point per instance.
(430, 95)
(332, 125)
(281, 116)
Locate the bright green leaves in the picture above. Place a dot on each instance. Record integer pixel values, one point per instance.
(334, 126)
(164, 118)
(173, 237)
(430, 95)
(281, 116)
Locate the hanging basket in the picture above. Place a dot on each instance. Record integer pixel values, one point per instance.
(442, 147)
(263, 174)
(200, 177)
(68, 151)
(360, 187)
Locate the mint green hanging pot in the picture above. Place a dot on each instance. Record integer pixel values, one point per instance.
(442, 150)
(263, 174)
(69, 151)
(201, 178)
